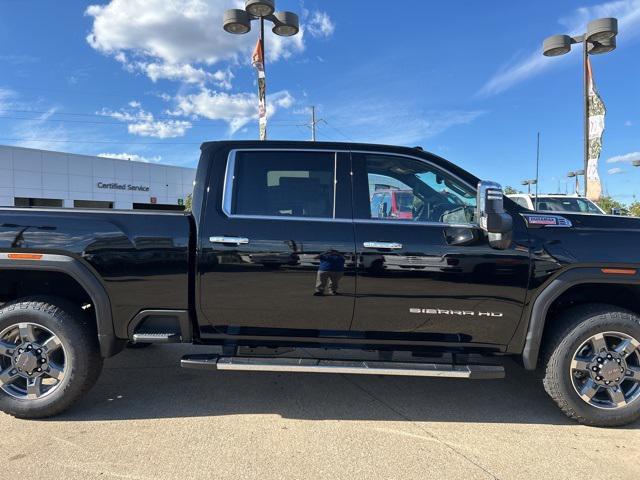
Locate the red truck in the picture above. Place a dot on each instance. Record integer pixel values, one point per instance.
(392, 203)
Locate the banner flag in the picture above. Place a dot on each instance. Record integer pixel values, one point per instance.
(597, 113)
(257, 60)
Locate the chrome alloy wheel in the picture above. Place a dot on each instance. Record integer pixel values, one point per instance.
(33, 361)
(605, 370)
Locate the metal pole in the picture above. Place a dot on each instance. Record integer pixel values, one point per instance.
(537, 171)
(264, 61)
(585, 57)
(264, 70)
(313, 123)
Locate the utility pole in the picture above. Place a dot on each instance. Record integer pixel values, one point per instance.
(313, 123)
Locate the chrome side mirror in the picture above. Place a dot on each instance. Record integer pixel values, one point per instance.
(491, 215)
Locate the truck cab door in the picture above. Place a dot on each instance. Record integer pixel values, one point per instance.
(429, 273)
(266, 226)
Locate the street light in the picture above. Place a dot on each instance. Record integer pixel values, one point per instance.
(528, 183)
(285, 24)
(636, 163)
(237, 21)
(577, 174)
(599, 38)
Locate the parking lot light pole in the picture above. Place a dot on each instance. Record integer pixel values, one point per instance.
(576, 174)
(599, 38)
(528, 183)
(238, 22)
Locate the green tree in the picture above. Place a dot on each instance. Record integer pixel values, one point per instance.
(608, 204)
(188, 202)
(509, 190)
(634, 209)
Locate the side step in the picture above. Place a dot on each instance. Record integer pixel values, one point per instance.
(157, 337)
(269, 364)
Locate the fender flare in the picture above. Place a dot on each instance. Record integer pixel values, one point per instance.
(544, 300)
(109, 344)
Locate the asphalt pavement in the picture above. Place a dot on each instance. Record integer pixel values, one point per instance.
(149, 419)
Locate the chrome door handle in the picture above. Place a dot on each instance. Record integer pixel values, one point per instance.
(232, 240)
(385, 245)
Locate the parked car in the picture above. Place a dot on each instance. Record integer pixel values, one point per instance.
(283, 265)
(557, 203)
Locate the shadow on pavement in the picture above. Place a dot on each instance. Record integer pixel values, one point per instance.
(149, 384)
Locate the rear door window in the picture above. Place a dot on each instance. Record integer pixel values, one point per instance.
(283, 184)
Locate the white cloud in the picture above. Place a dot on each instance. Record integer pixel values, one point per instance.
(320, 25)
(5, 97)
(508, 76)
(177, 39)
(160, 128)
(396, 124)
(182, 72)
(37, 133)
(236, 109)
(131, 156)
(627, 12)
(615, 171)
(142, 123)
(626, 158)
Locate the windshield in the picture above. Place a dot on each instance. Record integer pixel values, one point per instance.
(405, 201)
(567, 204)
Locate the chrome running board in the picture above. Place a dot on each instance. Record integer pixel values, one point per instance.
(307, 365)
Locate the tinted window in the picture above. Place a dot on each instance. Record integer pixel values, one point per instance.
(422, 192)
(288, 184)
(567, 204)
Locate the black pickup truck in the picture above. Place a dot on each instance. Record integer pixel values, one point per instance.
(290, 261)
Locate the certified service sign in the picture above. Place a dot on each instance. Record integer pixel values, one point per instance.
(123, 186)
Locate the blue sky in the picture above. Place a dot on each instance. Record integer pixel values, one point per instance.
(152, 79)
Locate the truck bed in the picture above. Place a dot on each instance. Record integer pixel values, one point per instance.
(142, 258)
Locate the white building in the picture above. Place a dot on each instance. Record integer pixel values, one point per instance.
(38, 178)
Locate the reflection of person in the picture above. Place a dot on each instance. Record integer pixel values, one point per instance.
(330, 271)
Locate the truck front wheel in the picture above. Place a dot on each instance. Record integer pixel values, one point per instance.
(592, 365)
(49, 356)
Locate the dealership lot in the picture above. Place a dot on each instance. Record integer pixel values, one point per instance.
(149, 419)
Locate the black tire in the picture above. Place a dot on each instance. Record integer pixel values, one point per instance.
(78, 336)
(572, 329)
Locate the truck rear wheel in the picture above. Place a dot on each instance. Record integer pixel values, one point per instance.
(592, 365)
(49, 356)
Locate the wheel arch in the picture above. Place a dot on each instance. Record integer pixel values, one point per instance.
(84, 277)
(561, 288)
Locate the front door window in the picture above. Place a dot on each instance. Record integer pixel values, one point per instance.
(406, 189)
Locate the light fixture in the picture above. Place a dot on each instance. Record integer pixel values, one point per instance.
(602, 29)
(556, 45)
(604, 46)
(636, 163)
(236, 21)
(286, 24)
(260, 8)
(599, 38)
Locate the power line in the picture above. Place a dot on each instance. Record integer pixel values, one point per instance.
(339, 131)
(133, 120)
(89, 142)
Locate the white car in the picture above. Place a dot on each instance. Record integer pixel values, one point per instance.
(557, 203)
